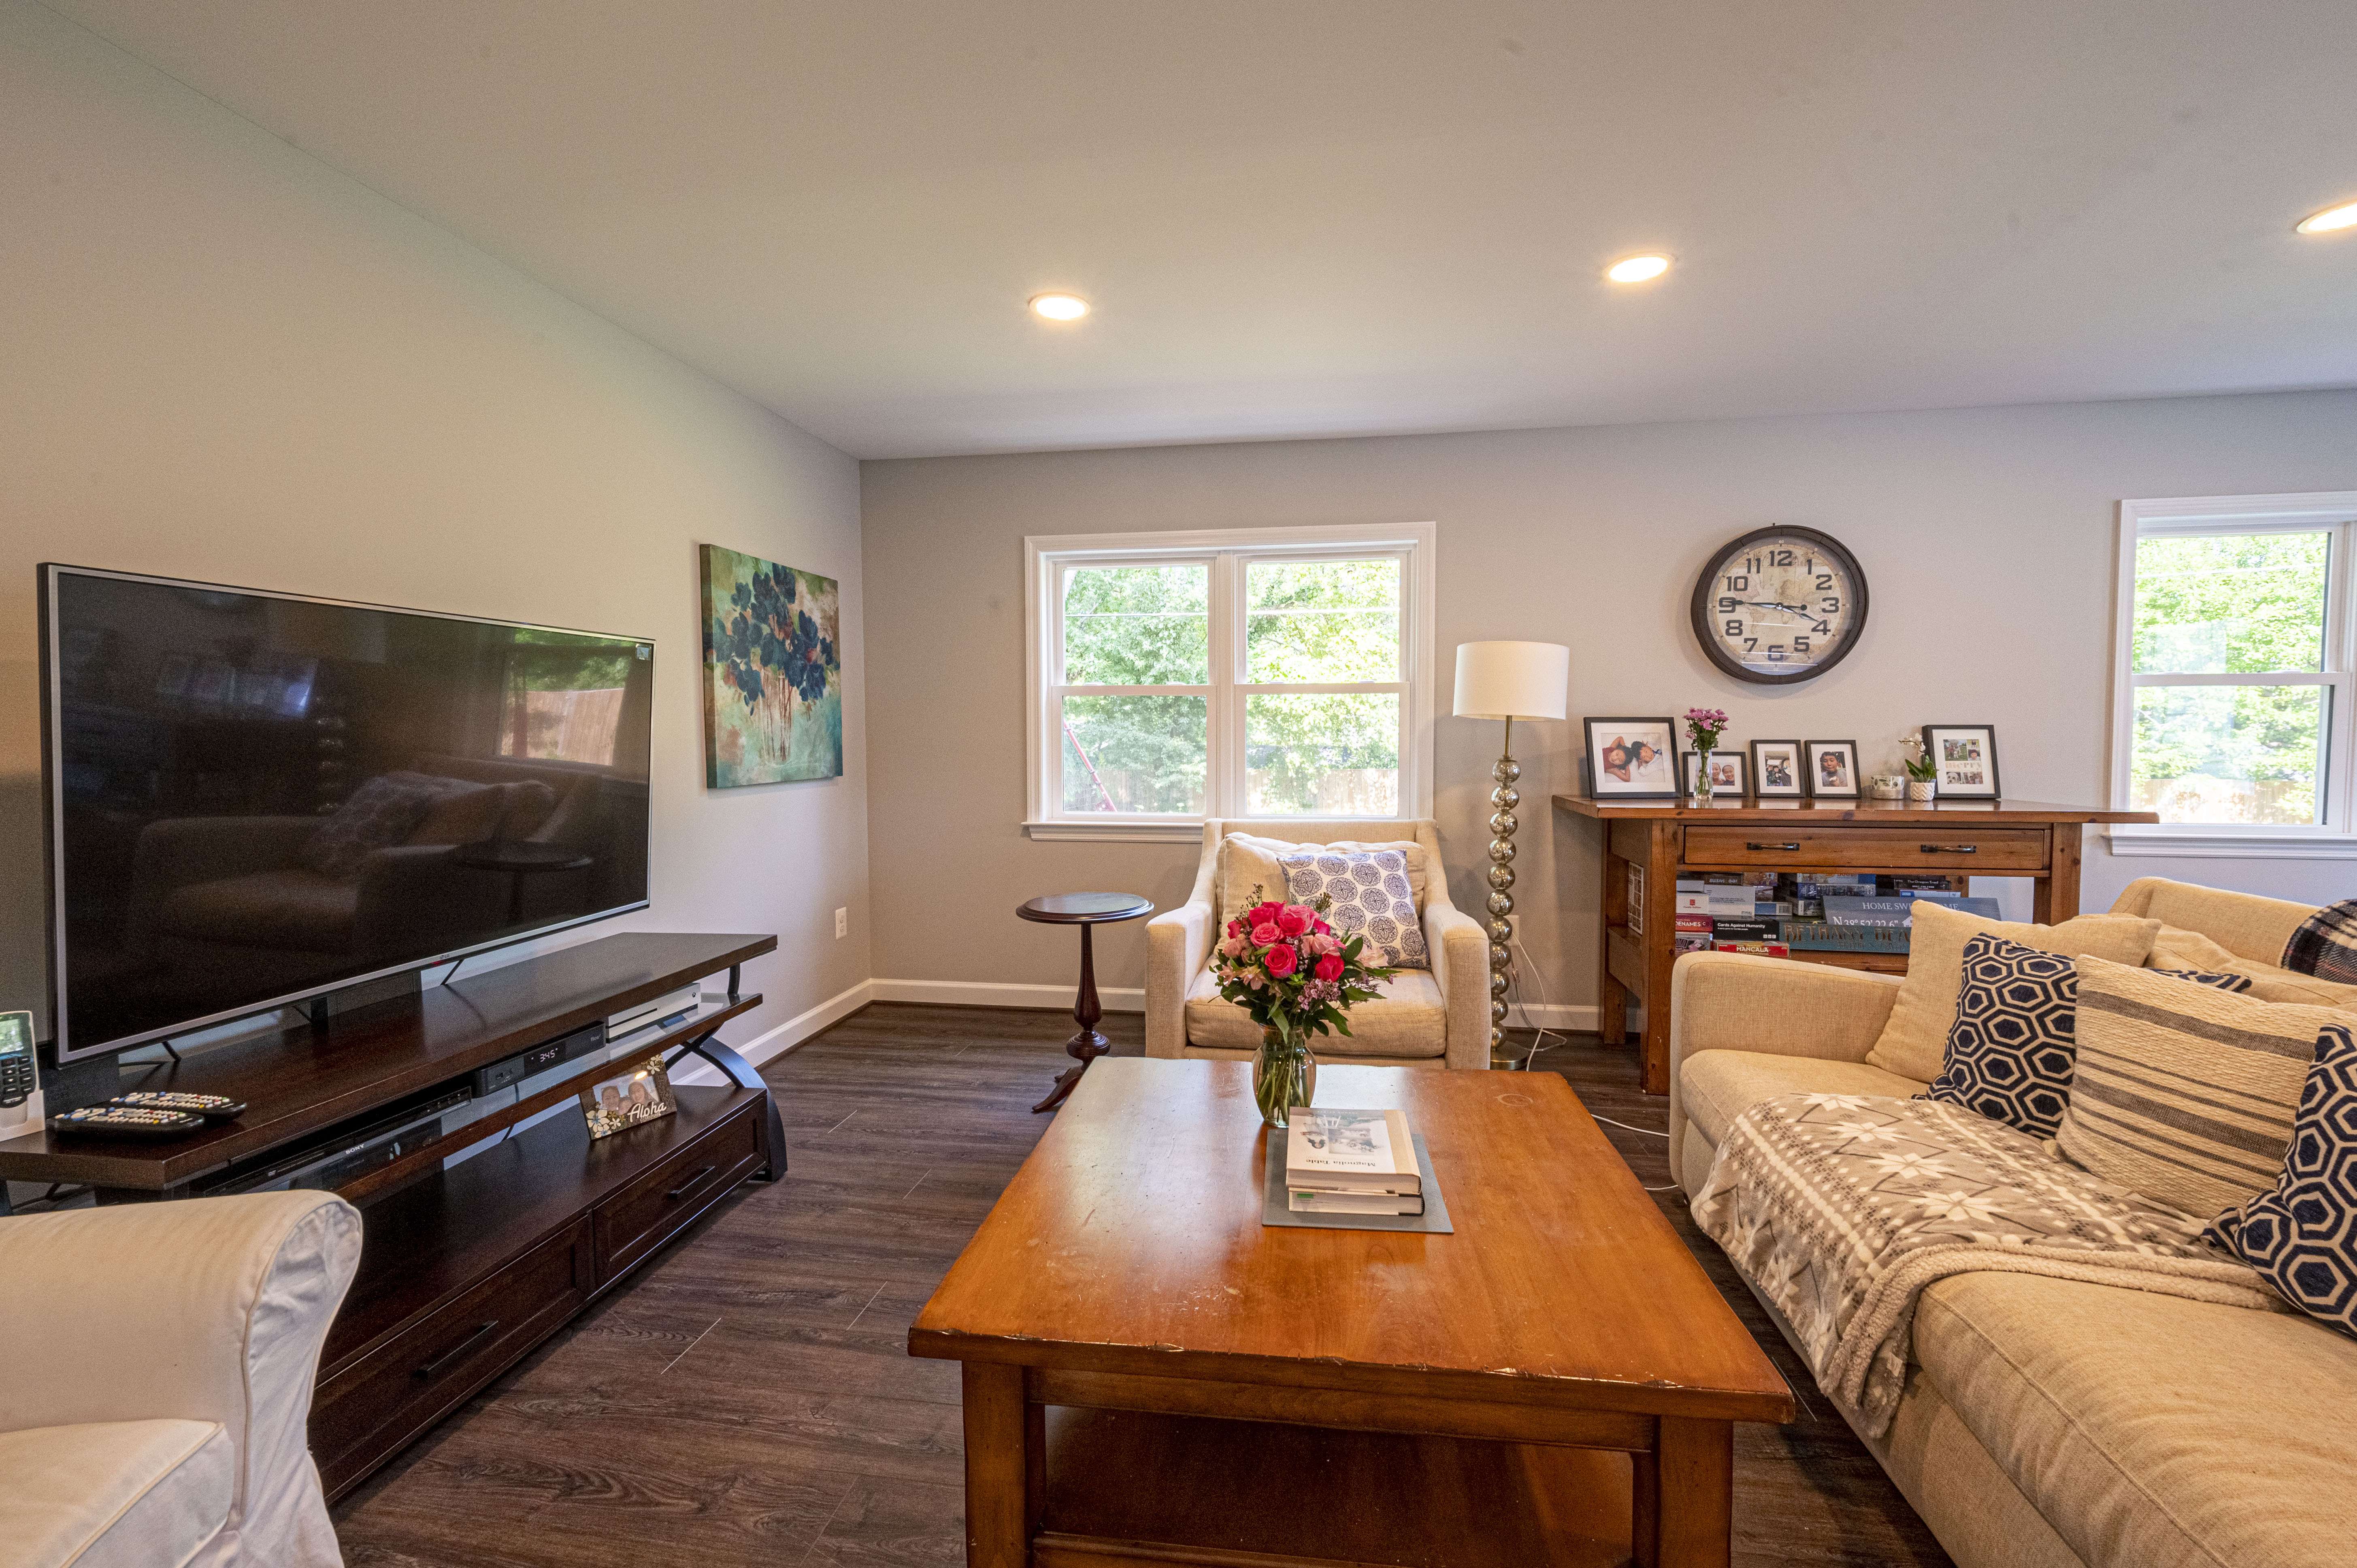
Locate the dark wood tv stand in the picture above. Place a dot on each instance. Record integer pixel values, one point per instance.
(464, 1270)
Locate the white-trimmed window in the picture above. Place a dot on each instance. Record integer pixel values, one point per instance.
(1250, 672)
(2232, 704)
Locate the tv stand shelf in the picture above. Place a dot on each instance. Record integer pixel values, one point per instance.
(463, 1271)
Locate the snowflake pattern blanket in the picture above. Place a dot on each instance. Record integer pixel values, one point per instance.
(1842, 1209)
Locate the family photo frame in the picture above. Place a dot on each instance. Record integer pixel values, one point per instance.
(1730, 771)
(1632, 759)
(1965, 755)
(1831, 767)
(1778, 770)
(637, 1094)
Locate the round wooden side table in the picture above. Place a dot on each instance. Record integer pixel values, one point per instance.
(1086, 910)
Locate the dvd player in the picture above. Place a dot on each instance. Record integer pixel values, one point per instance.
(343, 1154)
(588, 1040)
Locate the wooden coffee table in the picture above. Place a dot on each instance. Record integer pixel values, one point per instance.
(1555, 1383)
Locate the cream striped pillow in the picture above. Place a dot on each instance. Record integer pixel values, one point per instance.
(2183, 1093)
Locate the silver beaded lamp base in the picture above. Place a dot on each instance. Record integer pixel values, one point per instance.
(1502, 802)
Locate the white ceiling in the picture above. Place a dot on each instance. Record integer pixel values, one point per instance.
(1339, 216)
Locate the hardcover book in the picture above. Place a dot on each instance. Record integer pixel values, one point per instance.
(1341, 1152)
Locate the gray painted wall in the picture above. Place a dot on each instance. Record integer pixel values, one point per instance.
(1988, 536)
(225, 361)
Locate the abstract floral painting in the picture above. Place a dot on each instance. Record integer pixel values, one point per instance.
(772, 672)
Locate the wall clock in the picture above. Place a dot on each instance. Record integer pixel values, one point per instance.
(1780, 605)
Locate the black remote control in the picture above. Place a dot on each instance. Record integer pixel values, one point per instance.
(211, 1107)
(122, 1121)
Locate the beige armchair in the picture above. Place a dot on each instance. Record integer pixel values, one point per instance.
(158, 1411)
(1435, 1019)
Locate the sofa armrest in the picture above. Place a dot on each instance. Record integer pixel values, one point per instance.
(1178, 946)
(180, 850)
(204, 1309)
(1738, 1002)
(1460, 967)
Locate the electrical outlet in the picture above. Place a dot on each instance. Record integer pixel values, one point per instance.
(843, 922)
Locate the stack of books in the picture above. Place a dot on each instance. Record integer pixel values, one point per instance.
(1351, 1162)
(1779, 913)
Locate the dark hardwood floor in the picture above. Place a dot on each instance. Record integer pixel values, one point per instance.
(749, 1400)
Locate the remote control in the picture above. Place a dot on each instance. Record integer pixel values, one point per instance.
(211, 1107)
(16, 1059)
(122, 1121)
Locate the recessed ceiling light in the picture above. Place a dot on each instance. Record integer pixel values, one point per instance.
(2331, 218)
(1059, 306)
(1637, 269)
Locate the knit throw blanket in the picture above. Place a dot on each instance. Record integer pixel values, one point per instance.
(1842, 1209)
(2326, 944)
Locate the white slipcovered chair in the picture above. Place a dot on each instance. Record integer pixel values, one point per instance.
(155, 1412)
(1436, 1018)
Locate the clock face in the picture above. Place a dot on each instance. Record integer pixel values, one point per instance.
(1778, 605)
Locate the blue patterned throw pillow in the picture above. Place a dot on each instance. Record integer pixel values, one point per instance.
(2303, 1235)
(1372, 895)
(2013, 1049)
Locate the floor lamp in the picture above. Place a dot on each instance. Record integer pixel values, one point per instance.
(1508, 681)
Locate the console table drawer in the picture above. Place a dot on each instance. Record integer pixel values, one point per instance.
(1835, 848)
(411, 1381)
(656, 1206)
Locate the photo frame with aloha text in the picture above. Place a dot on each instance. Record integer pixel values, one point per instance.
(1965, 755)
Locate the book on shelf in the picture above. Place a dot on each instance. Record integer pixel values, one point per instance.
(1897, 911)
(1695, 922)
(1753, 930)
(1340, 1153)
(1692, 941)
(1824, 936)
(1764, 950)
(1929, 884)
(1309, 1200)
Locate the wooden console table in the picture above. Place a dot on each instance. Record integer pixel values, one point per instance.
(1978, 838)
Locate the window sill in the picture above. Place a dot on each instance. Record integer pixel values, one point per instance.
(1116, 832)
(2230, 843)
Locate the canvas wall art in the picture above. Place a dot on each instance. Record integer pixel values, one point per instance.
(772, 672)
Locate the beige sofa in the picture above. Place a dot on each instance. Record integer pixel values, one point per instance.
(155, 1406)
(1439, 1018)
(2049, 1424)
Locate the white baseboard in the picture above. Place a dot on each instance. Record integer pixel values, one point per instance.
(776, 1042)
(991, 993)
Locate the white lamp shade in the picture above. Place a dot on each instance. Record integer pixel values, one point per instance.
(1512, 680)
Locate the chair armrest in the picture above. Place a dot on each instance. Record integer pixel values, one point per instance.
(204, 1309)
(1738, 1002)
(1460, 967)
(1178, 946)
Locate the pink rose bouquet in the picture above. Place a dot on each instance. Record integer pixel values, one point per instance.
(1286, 967)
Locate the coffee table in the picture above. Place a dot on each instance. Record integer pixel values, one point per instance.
(1555, 1383)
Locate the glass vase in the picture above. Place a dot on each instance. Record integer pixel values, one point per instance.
(1285, 1074)
(1702, 786)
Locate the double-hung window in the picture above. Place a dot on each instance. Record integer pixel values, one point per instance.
(1264, 672)
(2233, 709)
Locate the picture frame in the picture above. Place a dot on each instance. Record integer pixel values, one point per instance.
(1632, 759)
(1966, 756)
(1778, 770)
(1832, 771)
(637, 1094)
(1730, 772)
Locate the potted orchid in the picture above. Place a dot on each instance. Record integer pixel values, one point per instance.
(1286, 966)
(1703, 727)
(1923, 772)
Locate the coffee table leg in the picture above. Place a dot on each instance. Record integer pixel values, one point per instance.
(1645, 1510)
(1002, 1448)
(1687, 1485)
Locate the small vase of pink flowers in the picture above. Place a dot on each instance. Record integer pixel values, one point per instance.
(1286, 967)
(1703, 727)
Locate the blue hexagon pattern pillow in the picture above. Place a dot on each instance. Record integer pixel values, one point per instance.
(2303, 1235)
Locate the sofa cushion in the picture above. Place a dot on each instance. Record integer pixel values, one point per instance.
(2153, 1431)
(1917, 1033)
(114, 1494)
(1715, 1087)
(1248, 861)
(2176, 948)
(2303, 1234)
(1368, 896)
(2183, 1093)
(291, 908)
(1405, 1020)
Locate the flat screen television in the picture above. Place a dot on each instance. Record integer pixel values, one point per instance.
(253, 798)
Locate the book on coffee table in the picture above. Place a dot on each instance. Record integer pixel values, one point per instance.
(1337, 1152)
(1309, 1201)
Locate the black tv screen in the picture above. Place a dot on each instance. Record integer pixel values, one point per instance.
(254, 798)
